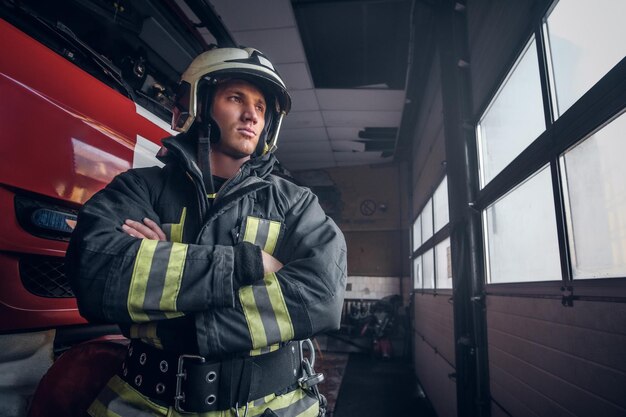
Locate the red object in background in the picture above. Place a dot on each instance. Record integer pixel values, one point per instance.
(76, 378)
(65, 135)
(383, 348)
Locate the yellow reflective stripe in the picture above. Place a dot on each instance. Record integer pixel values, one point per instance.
(272, 237)
(134, 331)
(147, 332)
(97, 409)
(256, 352)
(264, 350)
(283, 319)
(211, 195)
(139, 280)
(130, 396)
(176, 234)
(151, 334)
(173, 278)
(287, 401)
(252, 228)
(130, 400)
(273, 403)
(253, 318)
(312, 411)
(279, 313)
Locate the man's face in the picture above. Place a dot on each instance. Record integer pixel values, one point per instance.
(239, 111)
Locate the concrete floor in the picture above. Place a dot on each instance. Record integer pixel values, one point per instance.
(361, 385)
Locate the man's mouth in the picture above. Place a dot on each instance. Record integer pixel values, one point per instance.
(247, 132)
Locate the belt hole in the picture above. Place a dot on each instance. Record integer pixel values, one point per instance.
(160, 388)
(138, 380)
(125, 371)
(142, 358)
(210, 400)
(163, 366)
(130, 351)
(210, 377)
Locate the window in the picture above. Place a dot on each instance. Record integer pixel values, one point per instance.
(565, 221)
(417, 233)
(585, 40)
(444, 264)
(440, 205)
(595, 190)
(514, 118)
(427, 221)
(417, 273)
(431, 263)
(520, 231)
(428, 270)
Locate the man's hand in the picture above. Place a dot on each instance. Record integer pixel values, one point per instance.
(270, 264)
(146, 230)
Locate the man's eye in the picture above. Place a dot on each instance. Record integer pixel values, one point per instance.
(260, 109)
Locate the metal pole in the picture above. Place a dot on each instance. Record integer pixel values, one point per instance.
(471, 359)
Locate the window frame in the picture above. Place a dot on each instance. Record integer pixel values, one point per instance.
(436, 237)
(526, 49)
(600, 104)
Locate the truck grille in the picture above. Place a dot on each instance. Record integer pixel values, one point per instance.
(45, 276)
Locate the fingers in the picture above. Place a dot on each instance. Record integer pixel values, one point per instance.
(132, 232)
(270, 264)
(155, 228)
(146, 230)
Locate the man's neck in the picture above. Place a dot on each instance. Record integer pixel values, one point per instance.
(224, 165)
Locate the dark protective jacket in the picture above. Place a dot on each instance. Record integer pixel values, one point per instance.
(181, 294)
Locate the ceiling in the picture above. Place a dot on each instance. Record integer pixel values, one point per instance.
(322, 129)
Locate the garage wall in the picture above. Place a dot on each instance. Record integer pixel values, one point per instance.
(547, 359)
(366, 203)
(432, 321)
(428, 142)
(434, 374)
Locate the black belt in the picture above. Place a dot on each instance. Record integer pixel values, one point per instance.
(192, 384)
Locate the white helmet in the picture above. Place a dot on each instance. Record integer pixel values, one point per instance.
(217, 64)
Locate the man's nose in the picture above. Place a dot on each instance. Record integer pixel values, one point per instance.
(249, 113)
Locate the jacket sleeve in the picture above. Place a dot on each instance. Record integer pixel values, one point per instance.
(303, 298)
(121, 279)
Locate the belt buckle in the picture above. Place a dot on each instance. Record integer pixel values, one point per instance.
(180, 375)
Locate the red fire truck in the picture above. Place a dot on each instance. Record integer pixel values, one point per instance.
(86, 87)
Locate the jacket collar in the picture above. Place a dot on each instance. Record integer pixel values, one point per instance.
(182, 148)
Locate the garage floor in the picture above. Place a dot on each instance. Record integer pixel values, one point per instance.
(360, 385)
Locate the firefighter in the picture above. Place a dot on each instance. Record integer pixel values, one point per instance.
(212, 266)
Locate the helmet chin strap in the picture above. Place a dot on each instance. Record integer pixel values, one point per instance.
(204, 161)
(272, 142)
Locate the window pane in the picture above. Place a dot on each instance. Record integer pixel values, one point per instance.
(428, 270)
(440, 202)
(444, 264)
(427, 221)
(521, 236)
(417, 233)
(514, 118)
(595, 181)
(417, 273)
(586, 40)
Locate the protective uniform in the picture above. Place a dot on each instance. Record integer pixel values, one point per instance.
(197, 293)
